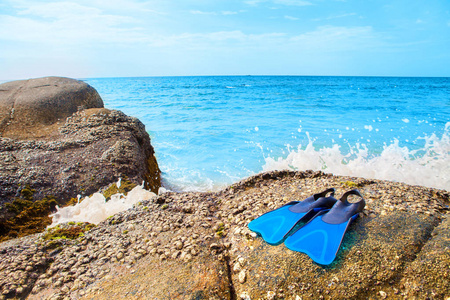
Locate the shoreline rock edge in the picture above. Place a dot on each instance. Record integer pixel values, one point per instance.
(198, 246)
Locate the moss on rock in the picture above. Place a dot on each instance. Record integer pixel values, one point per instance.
(27, 217)
(64, 233)
(68, 231)
(351, 184)
(125, 186)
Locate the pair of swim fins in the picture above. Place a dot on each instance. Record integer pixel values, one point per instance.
(315, 226)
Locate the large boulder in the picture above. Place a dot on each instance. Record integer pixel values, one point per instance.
(28, 107)
(57, 141)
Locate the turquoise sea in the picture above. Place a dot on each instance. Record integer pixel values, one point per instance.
(211, 131)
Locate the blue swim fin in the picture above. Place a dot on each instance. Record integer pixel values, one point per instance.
(321, 238)
(275, 225)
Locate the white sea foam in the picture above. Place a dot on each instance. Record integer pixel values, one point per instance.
(429, 166)
(95, 209)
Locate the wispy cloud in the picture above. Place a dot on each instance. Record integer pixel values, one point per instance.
(59, 10)
(212, 39)
(335, 17)
(323, 39)
(214, 13)
(114, 5)
(227, 12)
(157, 34)
(254, 2)
(281, 2)
(293, 2)
(337, 38)
(291, 18)
(199, 12)
(68, 23)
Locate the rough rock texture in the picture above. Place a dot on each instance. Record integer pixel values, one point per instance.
(198, 246)
(92, 149)
(429, 275)
(58, 140)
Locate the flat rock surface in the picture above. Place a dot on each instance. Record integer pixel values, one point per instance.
(198, 246)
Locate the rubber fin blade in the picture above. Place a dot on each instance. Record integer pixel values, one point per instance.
(274, 225)
(319, 240)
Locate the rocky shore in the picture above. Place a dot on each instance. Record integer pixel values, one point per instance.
(56, 141)
(198, 246)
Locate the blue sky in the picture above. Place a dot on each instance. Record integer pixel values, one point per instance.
(112, 38)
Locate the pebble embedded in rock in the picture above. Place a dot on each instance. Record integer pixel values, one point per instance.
(214, 246)
(271, 295)
(237, 267)
(178, 245)
(242, 276)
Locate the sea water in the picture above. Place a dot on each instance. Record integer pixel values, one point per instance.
(212, 131)
(209, 132)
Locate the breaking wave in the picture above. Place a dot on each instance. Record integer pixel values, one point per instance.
(95, 208)
(428, 166)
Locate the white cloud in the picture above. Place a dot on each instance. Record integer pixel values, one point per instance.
(282, 2)
(59, 10)
(213, 13)
(199, 12)
(293, 2)
(89, 35)
(291, 18)
(213, 39)
(68, 23)
(226, 13)
(254, 2)
(336, 38)
(126, 5)
(336, 17)
(111, 5)
(323, 39)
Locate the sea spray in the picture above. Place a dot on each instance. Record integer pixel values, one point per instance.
(207, 136)
(95, 208)
(427, 166)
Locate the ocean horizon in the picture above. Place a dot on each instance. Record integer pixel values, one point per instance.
(212, 131)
